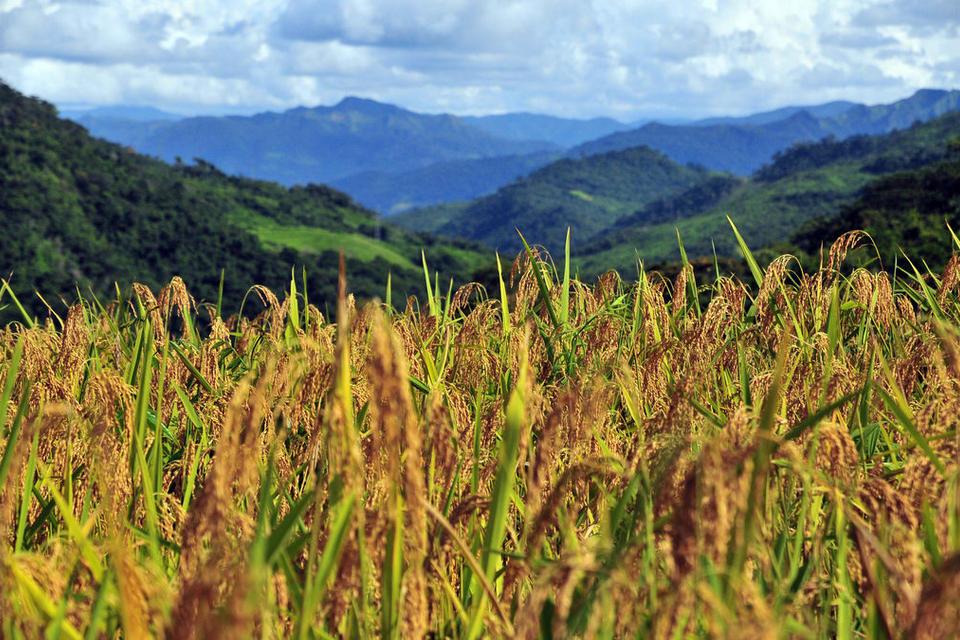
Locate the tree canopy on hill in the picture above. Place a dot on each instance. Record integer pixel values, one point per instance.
(909, 209)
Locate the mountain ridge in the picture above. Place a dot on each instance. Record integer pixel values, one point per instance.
(318, 144)
(84, 213)
(743, 148)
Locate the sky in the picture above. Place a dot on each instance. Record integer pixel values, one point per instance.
(628, 59)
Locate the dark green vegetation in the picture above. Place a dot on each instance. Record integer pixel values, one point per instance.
(631, 203)
(455, 180)
(906, 210)
(587, 194)
(808, 182)
(743, 145)
(81, 213)
(320, 144)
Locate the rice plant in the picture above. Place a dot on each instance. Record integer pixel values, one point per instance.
(668, 459)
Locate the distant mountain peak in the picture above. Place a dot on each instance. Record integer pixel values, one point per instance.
(930, 94)
(365, 105)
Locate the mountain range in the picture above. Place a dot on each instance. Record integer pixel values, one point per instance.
(391, 159)
(392, 192)
(81, 213)
(313, 145)
(743, 145)
(807, 182)
(563, 132)
(81, 209)
(633, 203)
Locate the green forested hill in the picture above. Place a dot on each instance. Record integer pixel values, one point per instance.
(807, 182)
(81, 212)
(906, 210)
(587, 194)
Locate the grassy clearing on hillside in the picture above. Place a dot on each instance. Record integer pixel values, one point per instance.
(556, 459)
(311, 239)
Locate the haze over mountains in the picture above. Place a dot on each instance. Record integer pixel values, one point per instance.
(320, 144)
(391, 159)
(587, 194)
(565, 132)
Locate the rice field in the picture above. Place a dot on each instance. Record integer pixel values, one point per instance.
(775, 458)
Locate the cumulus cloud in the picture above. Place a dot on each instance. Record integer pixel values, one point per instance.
(626, 58)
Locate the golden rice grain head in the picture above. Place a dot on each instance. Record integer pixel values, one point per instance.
(842, 246)
(74, 344)
(707, 514)
(175, 296)
(151, 305)
(835, 454)
(132, 591)
(950, 279)
(770, 288)
(462, 296)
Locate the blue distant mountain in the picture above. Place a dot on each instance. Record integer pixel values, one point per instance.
(564, 132)
(827, 110)
(451, 181)
(121, 112)
(314, 144)
(743, 145)
(392, 159)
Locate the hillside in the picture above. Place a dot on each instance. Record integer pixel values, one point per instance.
(807, 182)
(454, 180)
(318, 144)
(587, 194)
(908, 209)
(81, 212)
(743, 146)
(563, 132)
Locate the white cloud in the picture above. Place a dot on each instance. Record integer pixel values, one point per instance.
(627, 58)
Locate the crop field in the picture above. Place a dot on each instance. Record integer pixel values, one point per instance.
(690, 458)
